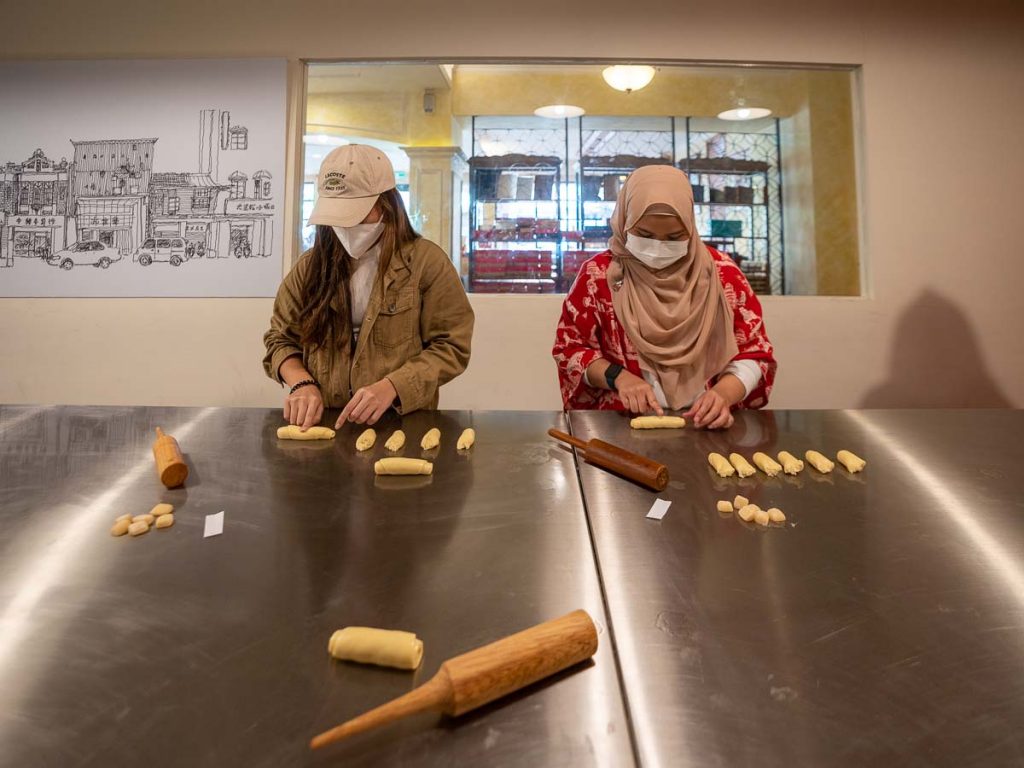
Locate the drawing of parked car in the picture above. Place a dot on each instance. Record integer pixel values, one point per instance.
(169, 249)
(90, 253)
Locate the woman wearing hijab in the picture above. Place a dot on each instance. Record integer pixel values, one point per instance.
(660, 320)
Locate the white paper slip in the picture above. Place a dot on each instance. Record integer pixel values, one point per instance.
(658, 509)
(214, 525)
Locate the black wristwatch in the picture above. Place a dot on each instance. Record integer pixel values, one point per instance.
(611, 373)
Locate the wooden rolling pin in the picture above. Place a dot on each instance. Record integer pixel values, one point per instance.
(485, 674)
(632, 466)
(170, 464)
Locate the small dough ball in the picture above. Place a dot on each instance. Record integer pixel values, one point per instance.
(851, 461)
(767, 464)
(431, 440)
(743, 466)
(725, 506)
(165, 521)
(747, 512)
(761, 517)
(292, 432)
(819, 462)
(384, 647)
(139, 528)
(147, 519)
(740, 502)
(791, 465)
(776, 516)
(396, 442)
(161, 509)
(466, 439)
(366, 440)
(127, 517)
(120, 527)
(721, 465)
(399, 466)
(658, 422)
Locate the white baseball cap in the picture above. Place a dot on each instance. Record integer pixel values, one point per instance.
(350, 180)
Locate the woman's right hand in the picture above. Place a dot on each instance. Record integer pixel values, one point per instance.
(305, 407)
(636, 394)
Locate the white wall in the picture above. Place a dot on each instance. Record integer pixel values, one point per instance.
(941, 168)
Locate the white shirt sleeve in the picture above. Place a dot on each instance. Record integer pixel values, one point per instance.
(747, 371)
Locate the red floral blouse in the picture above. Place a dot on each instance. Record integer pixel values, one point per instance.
(588, 329)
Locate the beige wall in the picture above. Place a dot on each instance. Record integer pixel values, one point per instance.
(941, 164)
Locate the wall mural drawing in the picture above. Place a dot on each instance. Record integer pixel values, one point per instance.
(183, 196)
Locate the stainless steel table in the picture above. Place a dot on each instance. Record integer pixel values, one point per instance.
(175, 650)
(884, 625)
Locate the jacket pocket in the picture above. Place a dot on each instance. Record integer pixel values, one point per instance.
(397, 323)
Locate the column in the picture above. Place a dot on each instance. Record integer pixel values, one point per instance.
(436, 177)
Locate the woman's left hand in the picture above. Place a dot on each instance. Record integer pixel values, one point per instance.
(368, 404)
(711, 411)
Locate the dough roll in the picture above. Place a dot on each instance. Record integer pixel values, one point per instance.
(721, 465)
(384, 647)
(742, 465)
(396, 441)
(292, 432)
(431, 440)
(366, 441)
(658, 422)
(466, 439)
(767, 464)
(725, 506)
(747, 512)
(819, 462)
(851, 461)
(400, 466)
(791, 465)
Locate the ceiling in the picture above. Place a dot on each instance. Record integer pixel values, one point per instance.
(376, 78)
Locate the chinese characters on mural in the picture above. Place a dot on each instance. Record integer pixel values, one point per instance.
(108, 205)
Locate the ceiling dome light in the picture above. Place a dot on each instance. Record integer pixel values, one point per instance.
(628, 77)
(744, 113)
(559, 111)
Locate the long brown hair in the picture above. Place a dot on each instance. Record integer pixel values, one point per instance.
(329, 272)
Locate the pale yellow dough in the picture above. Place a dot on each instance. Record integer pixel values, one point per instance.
(747, 512)
(366, 441)
(292, 432)
(147, 519)
(767, 464)
(740, 502)
(120, 527)
(384, 647)
(396, 442)
(161, 509)
(791, 465)
(725, 506)
(431, 440)
(466, 439)
(721, 465)
(742, 465)
(165, 521)
(819, 462)
(399, 466)
(761, 517)
(776, 516)
(658, 422)
(851, 461)
(137, 529)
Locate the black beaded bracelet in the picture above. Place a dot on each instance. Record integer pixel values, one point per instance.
(301, 384)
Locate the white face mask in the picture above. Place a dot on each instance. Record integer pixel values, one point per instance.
(656, 254)
(360, 239)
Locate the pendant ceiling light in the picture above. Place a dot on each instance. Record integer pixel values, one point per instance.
(628, 77)
(744, 113)
(559, 111)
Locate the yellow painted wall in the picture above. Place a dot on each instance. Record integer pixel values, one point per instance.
(395, 116)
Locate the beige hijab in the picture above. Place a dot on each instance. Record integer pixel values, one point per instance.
(678, 317)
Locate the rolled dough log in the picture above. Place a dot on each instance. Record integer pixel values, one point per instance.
(761, 517)
(399, 466)
(851, 461)
(431, 440)
(466, 439)
(658, 422)
(292, 432)
(120, 527)
(384, 647)
(742, 465)
(819, 462)
(776, 516)
(366, 440)
(791, 465)
(396, 442)
(747, 512)
(767, 464)
(725, 506)
(161, 509)
(165, 521)
(721, 465)
(127, 517)
(147, 519)
(740, 502)
(137, 529)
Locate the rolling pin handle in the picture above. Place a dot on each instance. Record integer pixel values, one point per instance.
(573, 441)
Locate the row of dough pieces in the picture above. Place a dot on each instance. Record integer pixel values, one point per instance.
(791, 465)
(136, 525)
(747, 511)
(368, 439)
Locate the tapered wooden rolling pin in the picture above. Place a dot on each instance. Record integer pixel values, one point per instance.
(485, 674)
(632, 466)
(170, 464)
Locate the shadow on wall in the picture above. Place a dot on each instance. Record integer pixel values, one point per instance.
(935, 362)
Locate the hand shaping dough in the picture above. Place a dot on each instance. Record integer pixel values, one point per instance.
(366, 440)
(791, 465)
(721, 465)
(161, 509)
(740, 502)
(120, 527)
(136, 529)
(397, 466)
(819, 462)
(747, 512)
(385, 647)
(292, 432)
(767, 464)
(776, 516)
(165, 521)
(431, 440)
(742, 465)
(725, 506)
(851, 461)
(396, 441)
(466, 439)
(761, 517)
(658, 422)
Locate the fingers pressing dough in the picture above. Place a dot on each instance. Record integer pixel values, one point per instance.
(292, 432)
(742, 465)
(851, 461)
(767, 464)
(397, 466)
(791, 465)
(396, 442)
(366, 440)
(431, 440)
(466, 439)
(819, 462)
(721, 465)
(385, 647)
(658, 422)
